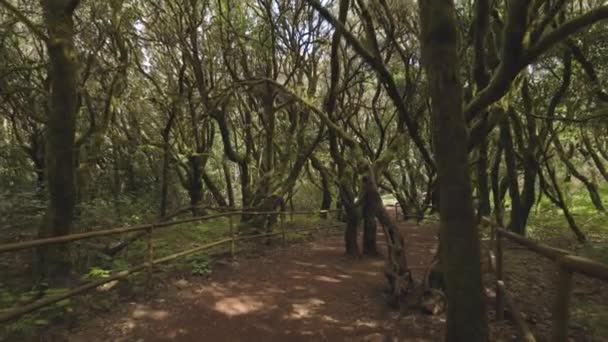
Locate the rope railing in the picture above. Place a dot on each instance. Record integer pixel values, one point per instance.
(150, 262)
(568, 264)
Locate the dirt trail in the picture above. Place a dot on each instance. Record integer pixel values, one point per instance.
(305, 292)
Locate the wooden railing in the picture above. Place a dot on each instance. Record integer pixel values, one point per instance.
(150, 262)
(568, 264)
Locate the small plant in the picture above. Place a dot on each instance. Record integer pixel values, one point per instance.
(97, 273)
(201, 266)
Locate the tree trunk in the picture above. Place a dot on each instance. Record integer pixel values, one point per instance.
(164, 182)
(195, 188)
(497, 193)
(460, 259)
(558, 200)
(55, 261)
(506, 139)
(591, 187)
(326, 201)
(599, 164)
(397, 272)
(369, 230)
(325, 184)
(214, 189)
(352, 221)
(229, 189)
(483, 189)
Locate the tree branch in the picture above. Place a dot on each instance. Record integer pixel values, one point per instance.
(23, 19)
(563, 32)
(383, 74)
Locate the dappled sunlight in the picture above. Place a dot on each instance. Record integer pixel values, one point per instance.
(235, 306)
(176, 333)
(233, 300)
(308, 264)
(327, 279)
(302, 297)
(156, 315)
(366, 273)
(366, 324)
(317, 247)
(127, 326)
(306, 309)
(328, 319)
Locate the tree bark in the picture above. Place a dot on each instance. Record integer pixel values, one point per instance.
(599, 164)
(55, 261)
(325, 185)
(591, 187)
(228, 179)
(195, 186)
(506, 138)
(497, 193)
(466, 318)
(369, 206)
(352, 221)
(558, 200)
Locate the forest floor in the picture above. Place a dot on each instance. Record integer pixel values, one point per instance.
(304, 292)
(311, 292)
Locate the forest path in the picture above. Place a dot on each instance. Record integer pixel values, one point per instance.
(303, 292)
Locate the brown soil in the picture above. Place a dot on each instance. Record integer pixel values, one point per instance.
(305, 292)
(533, 280)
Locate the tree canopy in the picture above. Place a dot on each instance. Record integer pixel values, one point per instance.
(467, 109)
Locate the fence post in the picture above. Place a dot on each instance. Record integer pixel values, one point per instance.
(282, 225)
(561, 308)
(149, 259)
(232, 242)
(500, 301)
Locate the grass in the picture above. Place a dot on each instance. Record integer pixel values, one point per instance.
(548, 224)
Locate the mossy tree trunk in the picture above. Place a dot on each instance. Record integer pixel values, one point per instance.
(54, 262)
(369, 229)
(466, 319)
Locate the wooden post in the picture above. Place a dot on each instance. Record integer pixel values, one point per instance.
(149, 259)
(561, 309)
(232, 241)
(500, 301)
(282, 225)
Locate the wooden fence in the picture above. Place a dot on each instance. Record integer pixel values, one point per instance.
(150, 262)
(568, 264)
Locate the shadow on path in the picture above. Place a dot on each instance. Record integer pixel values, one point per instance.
(305, 292)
